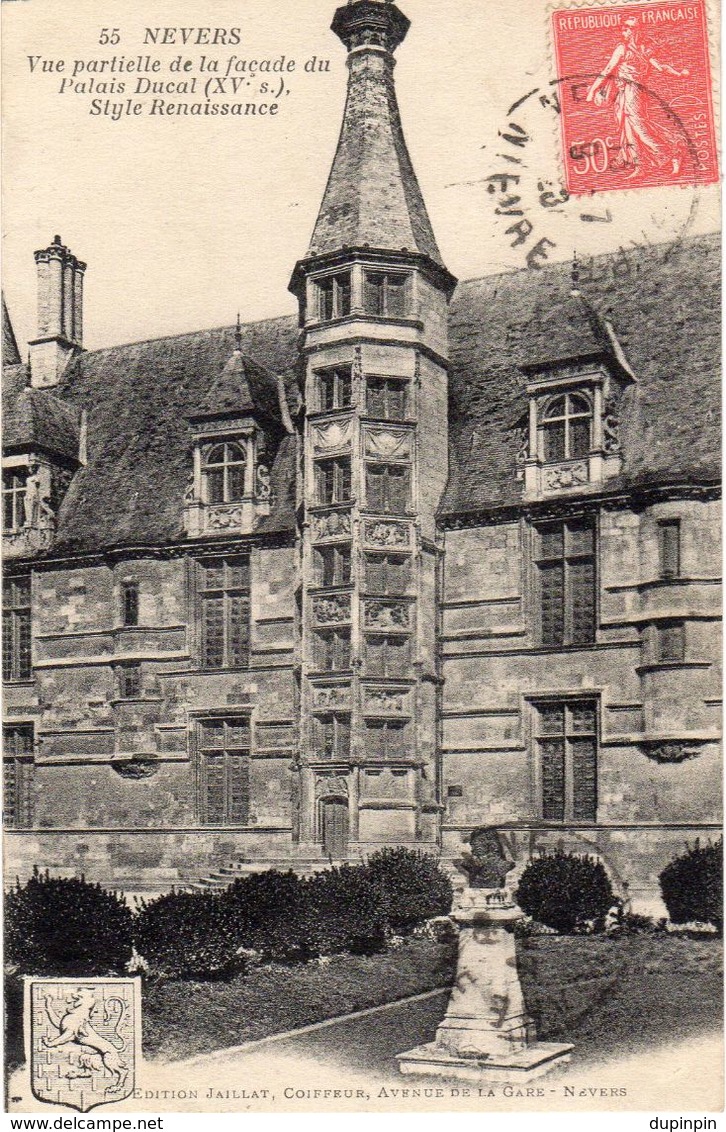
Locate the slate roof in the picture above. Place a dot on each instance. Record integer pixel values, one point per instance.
(10, 351)
(139, 399)
(664, 310)
(663, 303)
(37, 418)
(372, 198)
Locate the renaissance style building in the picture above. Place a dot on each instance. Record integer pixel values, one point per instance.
(430, 557)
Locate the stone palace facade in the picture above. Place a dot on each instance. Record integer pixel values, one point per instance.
(429, 557)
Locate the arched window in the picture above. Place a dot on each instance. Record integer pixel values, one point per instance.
(224, 473)
(566, 427)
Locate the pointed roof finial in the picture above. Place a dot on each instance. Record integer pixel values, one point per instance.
(238, 334)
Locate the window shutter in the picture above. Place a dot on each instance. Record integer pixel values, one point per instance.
(214, 768)
(375, 487)
(343, 736)
(375, 574)
(396, 296)
(396, 400)
(375, 735)
(553, 779)
(239, 630)
(373, 293)
(398, 489)
(342, 649)
(344, 480)
(8, 646)
(584, 784)
(238, 789)
(376, 397)
(582, 585)
(213, 631)
(375, 654)
(552, 603)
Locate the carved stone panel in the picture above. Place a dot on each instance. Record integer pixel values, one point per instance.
(329, 785)
(380, 532)
(563, 476)
(336, 696)
(331, 610)
(333, 525)
(224, 517)
(387, 615)
(386, 701)
(332, 435)
(388, 444)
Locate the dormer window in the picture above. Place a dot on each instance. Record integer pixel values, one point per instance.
(566, 428)
(386, 293)
(224, 473)
(334, 296)
(14, 498)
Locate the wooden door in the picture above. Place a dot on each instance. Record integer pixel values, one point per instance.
(334, 820)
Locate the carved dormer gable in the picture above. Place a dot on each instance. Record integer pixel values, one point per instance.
(570, 436)
(42, 450)
(237, 432)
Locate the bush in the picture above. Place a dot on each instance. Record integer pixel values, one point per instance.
(188, 935)
(692, 885)
(344, 911)
(567, 892)
(265, 911)
(61, 926)
(413, 887)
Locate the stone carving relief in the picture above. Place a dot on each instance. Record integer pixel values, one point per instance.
(387, 615)
(386, 534)
(327, 786)
(611, 430)
(332, 697)
(263, 488)
(566, 475)
(336, 524)
(388, 444)
(333, 435)
(224, 517)
(670, 751)
(331, 610)
(136, 768)
(384, 700)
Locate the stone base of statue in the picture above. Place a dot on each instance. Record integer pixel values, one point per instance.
(486, 1033)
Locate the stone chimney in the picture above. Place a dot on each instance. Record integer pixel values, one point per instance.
(60, 313)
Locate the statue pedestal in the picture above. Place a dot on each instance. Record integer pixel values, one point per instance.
(486, 1033)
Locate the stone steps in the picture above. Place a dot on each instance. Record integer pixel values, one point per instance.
(223, 876)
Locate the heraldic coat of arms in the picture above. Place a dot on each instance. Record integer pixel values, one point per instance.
(83, 1040)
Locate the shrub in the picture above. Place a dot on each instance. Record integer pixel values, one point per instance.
(343, 911)
(264, 910)
(567, 892)
(64, 926)
(692, 885)
(413, 887)
(188, 935)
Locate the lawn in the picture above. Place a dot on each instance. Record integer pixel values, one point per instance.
(604, 994)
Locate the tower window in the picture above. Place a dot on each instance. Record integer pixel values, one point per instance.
(385, 739)
(386, 398)
(332, 736)
(16, 629)
(566, 428)
(671, 641)
(386, 293)
(333, 480)
(224, 473)
(388, 656)
(334, 296)
(334, 387)
(669, 548)
(387, 573)
(14, 494)
(225, 612)
(129, 681)
(130, 603)
(332, 565)
(388, 488)
(332, 650)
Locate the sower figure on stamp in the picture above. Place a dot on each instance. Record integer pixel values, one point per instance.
(642, 130)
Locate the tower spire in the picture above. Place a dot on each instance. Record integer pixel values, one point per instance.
(372, 199)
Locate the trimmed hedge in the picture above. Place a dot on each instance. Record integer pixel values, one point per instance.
(692, 885)
(413, 887)
(188, 935)
(567, 892)
(65, 926)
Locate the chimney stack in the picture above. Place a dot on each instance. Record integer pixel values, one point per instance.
(60, 313)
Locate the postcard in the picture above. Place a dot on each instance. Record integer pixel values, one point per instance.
(361, 523)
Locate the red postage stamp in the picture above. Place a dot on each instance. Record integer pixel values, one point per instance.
(635, 93)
